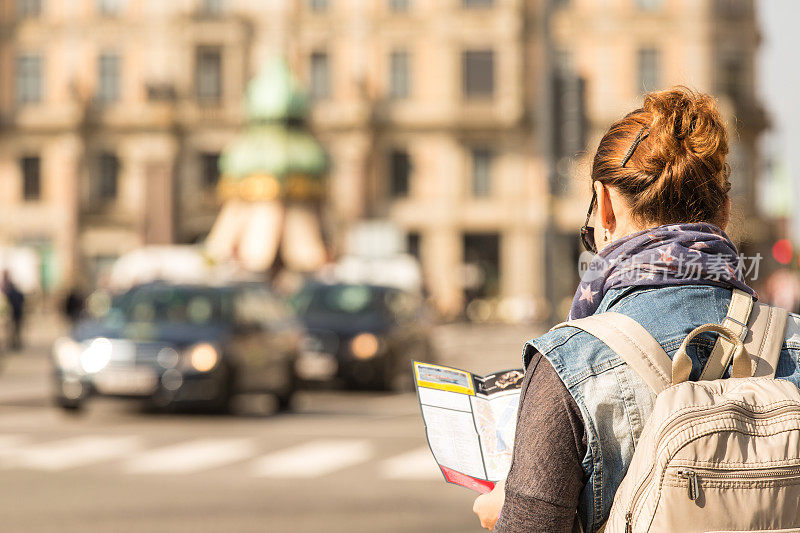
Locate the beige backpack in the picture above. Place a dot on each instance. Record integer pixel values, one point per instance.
(716, 455)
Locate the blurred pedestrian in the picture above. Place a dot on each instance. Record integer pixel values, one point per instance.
(16, 302)
(74, 304)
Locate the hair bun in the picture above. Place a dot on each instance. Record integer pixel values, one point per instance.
(678, 172)
(690, 121)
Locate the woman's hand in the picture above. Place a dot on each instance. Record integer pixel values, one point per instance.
(487, 506)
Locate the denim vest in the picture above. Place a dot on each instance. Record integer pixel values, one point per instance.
(614, 401)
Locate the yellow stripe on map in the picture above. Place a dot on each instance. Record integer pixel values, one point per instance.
(443, 378)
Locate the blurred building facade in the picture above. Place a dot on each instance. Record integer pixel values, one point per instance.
(623, 48)
(455, 119)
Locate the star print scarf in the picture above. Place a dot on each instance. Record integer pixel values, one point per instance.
(678, 254)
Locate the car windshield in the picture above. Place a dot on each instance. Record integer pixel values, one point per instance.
(340, 299)
(178, 305)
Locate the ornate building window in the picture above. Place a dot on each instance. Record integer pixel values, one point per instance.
(320, 75)
(648, 69)
(731, 8)
(650, 5)
(399, 173)
(399, 75)
(108, 78)
(210, 169)
(481, 172)
(105, 184)
(31, 178)
(212, 7)
(110, 8)
(29, 79)
(478, 73)
(209, 74)
(399, 5)
(481, 266)
(29, 8)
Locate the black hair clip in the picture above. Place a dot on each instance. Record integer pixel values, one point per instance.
(642, 135)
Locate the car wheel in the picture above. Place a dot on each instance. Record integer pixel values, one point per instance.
(223, 403)
(72, 407)
(283, 402)
(284, 398)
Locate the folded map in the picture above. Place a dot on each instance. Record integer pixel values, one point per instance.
(469, 421)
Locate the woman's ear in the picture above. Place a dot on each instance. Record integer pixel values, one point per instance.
(605, 209)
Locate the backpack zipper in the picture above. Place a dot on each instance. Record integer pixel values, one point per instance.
(692, 414)
(770, 473)
(694, 483)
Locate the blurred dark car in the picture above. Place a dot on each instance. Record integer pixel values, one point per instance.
(182, 345)
(364, 335)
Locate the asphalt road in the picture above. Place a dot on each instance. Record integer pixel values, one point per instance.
(340, 462)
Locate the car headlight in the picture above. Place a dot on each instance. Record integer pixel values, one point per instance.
(364, 345)
(96, 356)
(203, 357)
(67, 353)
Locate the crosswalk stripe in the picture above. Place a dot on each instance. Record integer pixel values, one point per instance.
(304, 461)
(415, 464)
(69, 453)
(191, 456)
(10, 442)
(29, 418)
(313, 459)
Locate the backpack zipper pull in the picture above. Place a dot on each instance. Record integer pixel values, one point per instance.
(694, 483)
(628, 522)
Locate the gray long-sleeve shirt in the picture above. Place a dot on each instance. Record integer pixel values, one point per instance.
(546, 476)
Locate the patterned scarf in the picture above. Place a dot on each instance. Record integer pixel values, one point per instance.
(679, 254)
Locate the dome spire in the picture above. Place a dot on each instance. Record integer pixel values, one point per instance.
(275, 95)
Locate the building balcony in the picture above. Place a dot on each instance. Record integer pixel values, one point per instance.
(226, 113)
(34, 219)
(422, 114)
(43, 117)
(131, 115)
(108, 214)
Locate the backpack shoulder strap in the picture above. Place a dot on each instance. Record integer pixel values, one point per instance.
(736, 321)
(760, 326)
(764, 339)
(628, 339)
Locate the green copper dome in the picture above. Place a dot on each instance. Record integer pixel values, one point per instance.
(274, 94)
(275, 150)
(276, 142)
